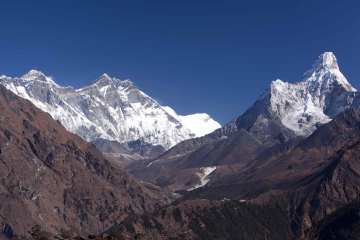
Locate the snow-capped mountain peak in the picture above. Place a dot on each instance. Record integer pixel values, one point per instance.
(109, 108)
(320, 96)
(327, 60)
(36, 75)
(302, 106)
(105, 75)
(104, 79)
(326, 72)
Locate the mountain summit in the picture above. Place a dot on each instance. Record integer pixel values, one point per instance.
(298, 108)
(284, 114)
(326, 71)
(327, 60)
(35, 75)
(110, 108)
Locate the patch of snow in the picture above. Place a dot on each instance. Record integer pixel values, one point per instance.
(203, 175)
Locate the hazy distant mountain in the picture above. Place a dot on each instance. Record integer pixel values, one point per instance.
(111, 109)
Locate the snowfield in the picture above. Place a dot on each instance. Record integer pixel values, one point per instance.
(109, 108)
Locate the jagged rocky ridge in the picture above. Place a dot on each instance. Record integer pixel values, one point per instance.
(110, 109)
(264, 182)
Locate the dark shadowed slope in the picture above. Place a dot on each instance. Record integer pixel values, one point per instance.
(180, 171)
(285, 113)
(344, 224)
(307, 183)
(201, 219)
(292, 166)
(53, 178)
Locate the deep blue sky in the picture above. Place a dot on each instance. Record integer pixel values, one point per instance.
(196, 56)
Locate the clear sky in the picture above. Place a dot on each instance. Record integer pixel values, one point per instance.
(196, 56)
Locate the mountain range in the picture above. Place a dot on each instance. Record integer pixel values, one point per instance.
(267, 174)
(287, 168)
(281, 116)
(110, 109)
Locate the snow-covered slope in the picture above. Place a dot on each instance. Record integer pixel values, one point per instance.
(199, 123)
(322, 94)
(284, 114)
(110, 108)
(288, 109)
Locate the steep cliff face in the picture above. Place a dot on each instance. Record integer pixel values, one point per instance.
(53, 178)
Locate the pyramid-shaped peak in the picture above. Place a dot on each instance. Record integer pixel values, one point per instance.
(36, 75)
(32, 74)
(104, 79)
(325, 72)
(327, 60)
(105, 76)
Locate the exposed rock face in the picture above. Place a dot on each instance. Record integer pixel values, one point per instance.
(307, 189)
(284, 114)
(53, 178)
(110, 109)
(292, 165)
(201, 219)
(344, 224)
(317, 176)
(288, 168)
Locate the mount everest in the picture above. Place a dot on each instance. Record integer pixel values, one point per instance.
(117, 110)
(110, 109)
(274, 151)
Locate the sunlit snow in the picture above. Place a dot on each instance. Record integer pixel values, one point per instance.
(203, 177)
(109, 108)
(302, 106)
